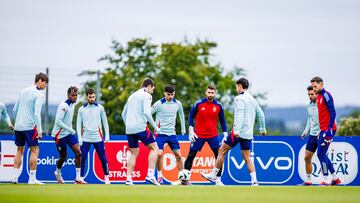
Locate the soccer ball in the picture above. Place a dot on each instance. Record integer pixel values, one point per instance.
(184, 175)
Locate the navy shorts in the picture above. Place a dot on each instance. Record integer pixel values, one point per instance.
(70, 140)
(232, 141)
(171, 140)
(213, 142)
(146, 137)
(312, 143)
(28, 136)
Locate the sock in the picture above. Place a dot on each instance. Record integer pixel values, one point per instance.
(308, 178)
(32, 175)
(159, 174)
(334, 177)
(325, 178)
(129, 177)
(78, 173)
(150, 172)
(214, 172)
(106, 177)
(58, 170)
(253, 177)
(16, 173)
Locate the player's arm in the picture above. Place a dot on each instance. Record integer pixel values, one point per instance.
(155, 108)
(222, 120)
(329, 102)
(105, 123)
(59, 120)
(124, 112)
(37, 113)
(79, 125)
(16, 107)
(261, 117)
(147, 112)
(182, 119)
(239, 116)
(307, 128)
(6, 117)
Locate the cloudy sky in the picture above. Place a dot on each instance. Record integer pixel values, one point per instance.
(281, 43)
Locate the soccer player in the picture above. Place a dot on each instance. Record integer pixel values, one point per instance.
(312, 128)
(4, 116)
(206, 113)
(88, 126)
(166, 110)
(64, 135)
(136, 114)
(27, 111)
(246, 108)
(327, 122)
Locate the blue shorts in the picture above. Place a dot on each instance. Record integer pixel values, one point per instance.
(171, 140)
(70, 140)
(28, 136)
(213, 142)
(312, 143)
(232, 141)
(145, 137)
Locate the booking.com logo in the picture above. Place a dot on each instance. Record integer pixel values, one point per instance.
(274, 163)
(51, 160)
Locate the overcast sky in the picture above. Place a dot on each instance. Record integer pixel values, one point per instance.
(281, 43)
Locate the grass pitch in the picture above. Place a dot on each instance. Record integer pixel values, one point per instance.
(185, 194)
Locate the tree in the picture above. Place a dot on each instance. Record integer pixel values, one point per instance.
(186, 65)
(350, 125)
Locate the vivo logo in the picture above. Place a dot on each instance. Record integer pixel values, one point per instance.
(280, 163)
(273, 160)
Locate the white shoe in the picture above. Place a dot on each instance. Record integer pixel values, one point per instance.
(80, 181)
(152, 180)
(178, 182)
(107, 181)
(218, 182)
(209, 177)
(255, 184)
(59, 177)
(14, 181)
(129, 183)
(35, 182)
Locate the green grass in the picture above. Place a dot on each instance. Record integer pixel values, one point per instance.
(185, 194)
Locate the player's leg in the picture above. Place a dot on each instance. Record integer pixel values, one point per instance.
(321, 154)
(214, 144)
(229, 142)
(20, 143)
(74, 145)
(33, 144)
(194, 148)
(160, 141)
(335, 180)
(61, 148)
(311, 147)
(174, 145)
(100, 150)
(246, 154)
(134, 152)
(84, 148)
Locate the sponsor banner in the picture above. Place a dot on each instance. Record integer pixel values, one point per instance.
(203, 162)
(274, 163)
(344, 157)
(279, 160)
(8, 151)
(117, 154)
(46, 163)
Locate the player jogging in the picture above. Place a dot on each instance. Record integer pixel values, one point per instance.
(206, 113)
(246, 108)
(65, 135)
(27, 111)
(91, 120)
(136, 114)
(327, 122)
(166, 110)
